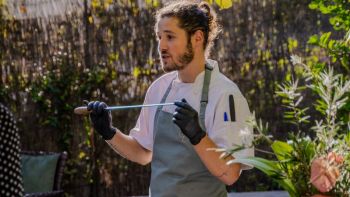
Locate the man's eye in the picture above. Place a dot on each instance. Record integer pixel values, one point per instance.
(170, 37)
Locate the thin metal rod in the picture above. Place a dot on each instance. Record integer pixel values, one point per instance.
(137, 106)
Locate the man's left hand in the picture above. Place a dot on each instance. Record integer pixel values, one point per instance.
(187, 119)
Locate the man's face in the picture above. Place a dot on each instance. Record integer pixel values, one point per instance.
(175, 50)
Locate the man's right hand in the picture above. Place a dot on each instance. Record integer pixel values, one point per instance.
(101, 119)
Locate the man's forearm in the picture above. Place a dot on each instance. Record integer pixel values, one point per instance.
(217, 166)
(129, 148)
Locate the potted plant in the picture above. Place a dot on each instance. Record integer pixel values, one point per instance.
(303, 160)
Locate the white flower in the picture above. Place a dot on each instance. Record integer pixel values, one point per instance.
(307, 138)
(295, 59)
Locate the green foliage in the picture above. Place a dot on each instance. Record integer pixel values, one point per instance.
(337, 49)
(152, 3)
(291, 98)
(292, 169)
(224, 4)
(56, 94)
(59, 91)
(272, 169)
(339, 10)
(282, 150)
(294, 158)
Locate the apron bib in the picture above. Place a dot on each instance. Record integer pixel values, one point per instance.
(177, 169)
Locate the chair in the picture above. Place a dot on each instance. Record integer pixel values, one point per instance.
(10, 167)
(42, 173)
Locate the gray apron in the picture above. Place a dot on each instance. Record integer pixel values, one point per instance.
(177, 169)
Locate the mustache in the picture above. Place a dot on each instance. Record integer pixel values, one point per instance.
(164, 52)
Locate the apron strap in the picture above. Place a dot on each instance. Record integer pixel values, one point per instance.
(204, 98)
(166, 93)
(159, 108)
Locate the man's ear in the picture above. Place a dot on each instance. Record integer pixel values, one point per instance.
(198, 38)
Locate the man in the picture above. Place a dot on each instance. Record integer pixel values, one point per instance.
(209, 111)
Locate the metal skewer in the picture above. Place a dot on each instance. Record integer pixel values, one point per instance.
(85, 111)
(137, 106)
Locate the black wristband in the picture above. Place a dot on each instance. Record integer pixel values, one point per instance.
(197, 138)
(109, 134)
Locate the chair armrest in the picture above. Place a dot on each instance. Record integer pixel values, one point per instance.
(58, 193)
(60, 170)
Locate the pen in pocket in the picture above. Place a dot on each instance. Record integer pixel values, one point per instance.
(225, 117)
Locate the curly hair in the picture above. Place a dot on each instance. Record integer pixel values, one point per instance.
(192, 17)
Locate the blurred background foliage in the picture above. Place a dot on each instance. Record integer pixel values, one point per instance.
(106, 50)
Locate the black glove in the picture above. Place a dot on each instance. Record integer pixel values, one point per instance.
(101, 119)
(187, 119)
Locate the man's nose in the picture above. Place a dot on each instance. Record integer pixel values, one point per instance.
(162, 45)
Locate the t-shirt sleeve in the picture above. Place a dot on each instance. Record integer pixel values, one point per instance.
(142, 131)
(230, 129)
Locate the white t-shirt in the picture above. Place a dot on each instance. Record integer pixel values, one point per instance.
(224, 132)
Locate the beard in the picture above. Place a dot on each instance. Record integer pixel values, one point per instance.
(183, 60)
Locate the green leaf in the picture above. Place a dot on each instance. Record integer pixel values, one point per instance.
(288, 116)
(81, 155)
(153, 3)
(347, 138)
(224, 4)
(331, 44)
(292, 44)
(313, 5)
(282, 150)
(313, 39)
(324, 38)
(237, 149)
(345, 62)
(325, 9)
(136, 72)
(308, 148)
(335, 20)
(271, 169)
